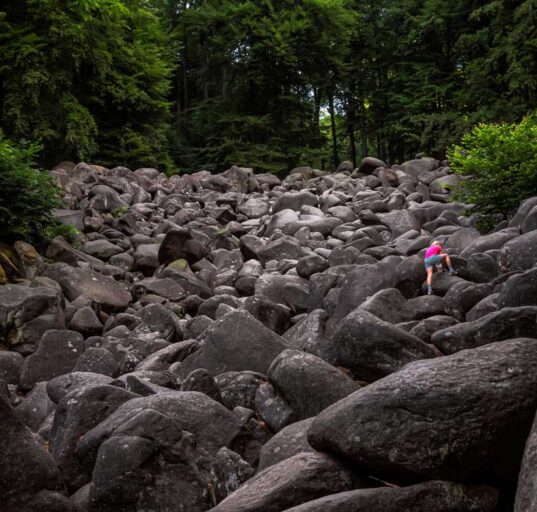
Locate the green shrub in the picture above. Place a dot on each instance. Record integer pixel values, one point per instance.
(26, 196)
(499, 163)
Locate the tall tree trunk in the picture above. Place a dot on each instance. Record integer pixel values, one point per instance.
(352, 144)
(224, 84)
(363, 142)
(379, 149)
(178, 93)
(335, 156)
(351, 116)
(363, 129)
(184, 65)
(317, 96)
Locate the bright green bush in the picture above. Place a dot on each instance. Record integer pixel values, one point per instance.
(499, 164)
(26, 196)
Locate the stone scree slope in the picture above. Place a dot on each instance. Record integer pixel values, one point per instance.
(237, 342)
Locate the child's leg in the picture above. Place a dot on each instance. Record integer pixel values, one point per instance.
(447, 260)
(430, 280)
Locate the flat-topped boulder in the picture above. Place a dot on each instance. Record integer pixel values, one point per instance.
(99, 288)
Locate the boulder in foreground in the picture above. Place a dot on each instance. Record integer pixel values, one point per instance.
(27, 471)
(434, 496)
(291, 482)
(526, 496)
(463, 417)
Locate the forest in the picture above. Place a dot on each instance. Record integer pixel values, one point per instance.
(201, 84)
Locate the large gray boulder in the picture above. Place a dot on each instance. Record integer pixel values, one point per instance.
(388, 304)
(35, 407)
(254, 207)
(369, 164)
(56, 355)
(10, 363)
(181, 244)
(60, 386)
(445, 184)
(526, 496)
(241, 179)
(409, 276)
(27, 471)
(110, 294)
(288, 483)
(489, 242)
(60, 250)
(307, 383)
(463, 296)
(463, 417)
(286, 443)
(149, 463)
(520, 253)
(308, 333)
(483, 307)
(519, 290)
(419, 165)
(77, 413)
(228, 472)
(21, 306)
(496, 326)
(285, 247)
(399, 222)
(106, 199)
(294, 201)
(235, 342)
(371, 348)
(69, 217)
(276, 317)
(281, 219)
(239, 389)
(102, 249)
(432, 496)
(213, 425)
(273, 286)
(362, 283)
(524, 209)
(427, 327)
(460, 239)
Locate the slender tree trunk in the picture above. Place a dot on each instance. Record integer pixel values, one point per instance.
(178, 103)
(351, 115)
(352, 144)
(363, 143)
(379, 149)
(224, 84)
(317, 96)
(335, 157)
(184, 65)
(363, 129)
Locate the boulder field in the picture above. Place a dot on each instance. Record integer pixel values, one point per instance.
(236, 342)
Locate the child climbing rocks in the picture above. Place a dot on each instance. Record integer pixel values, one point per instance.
(433, 256)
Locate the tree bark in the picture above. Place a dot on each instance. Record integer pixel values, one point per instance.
(317, 96)
(352, 144)
(335, 156)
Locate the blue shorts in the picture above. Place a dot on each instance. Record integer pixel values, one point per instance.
(432, 261)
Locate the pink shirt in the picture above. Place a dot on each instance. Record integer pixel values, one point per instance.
(433, 251)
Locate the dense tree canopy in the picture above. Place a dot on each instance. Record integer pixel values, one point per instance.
(264, 83)
(85, 77)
